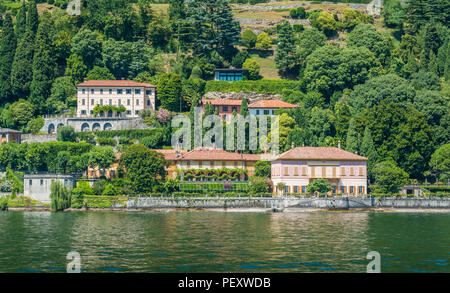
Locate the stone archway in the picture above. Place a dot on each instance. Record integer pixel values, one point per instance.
(85, 127)
(96, 127)
(51, 128)
(107, 126)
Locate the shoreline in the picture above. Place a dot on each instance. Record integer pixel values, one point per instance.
(239, 210)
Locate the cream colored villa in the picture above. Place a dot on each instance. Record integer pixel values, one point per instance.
(134, 96)
(296, 168)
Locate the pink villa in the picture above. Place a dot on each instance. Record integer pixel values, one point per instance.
(296, 168)
(225, 107)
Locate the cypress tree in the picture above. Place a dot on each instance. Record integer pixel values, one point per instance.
(244, 112)
(368, 150)
(432, 63)
(285, 59)
(352, 142)
(44, 65)
(8, 45)
(33, 18)
(22, 68)
(21, 21)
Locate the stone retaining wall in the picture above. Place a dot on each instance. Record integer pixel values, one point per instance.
(282, 203)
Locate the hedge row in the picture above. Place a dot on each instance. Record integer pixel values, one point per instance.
(265, 86)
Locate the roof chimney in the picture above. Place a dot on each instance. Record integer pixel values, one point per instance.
(123, 78)
(339, 144)
(292, 145)
(85, 79)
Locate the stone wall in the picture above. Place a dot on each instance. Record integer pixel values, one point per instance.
(29, 138)
(251, 97)
(282, 203)
(51, 125)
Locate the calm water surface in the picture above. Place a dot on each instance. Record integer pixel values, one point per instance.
(224, 241)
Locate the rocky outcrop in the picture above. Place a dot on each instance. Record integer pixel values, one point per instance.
(251, 97)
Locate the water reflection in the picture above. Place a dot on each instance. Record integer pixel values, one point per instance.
(222, 242)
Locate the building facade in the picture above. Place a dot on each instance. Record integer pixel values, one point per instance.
(8, 135)
(224, 107)
(37, 186)
(134, 96)
(268, 107)
(229, 74)
(346, 172)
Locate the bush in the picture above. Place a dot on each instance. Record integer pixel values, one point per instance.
(248, 38)
(266, 86)
(66, 133)
(253, 69)
(106, 141)
(263, 42)
(239, 59)
(110, 190)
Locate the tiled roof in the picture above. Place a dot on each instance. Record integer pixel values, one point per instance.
(208, 154)
(319, 153)
(170, 155)
(272, 104)
(8, 130)
(223, 102)
(115, 83)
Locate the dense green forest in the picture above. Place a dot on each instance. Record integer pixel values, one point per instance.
(383, 92)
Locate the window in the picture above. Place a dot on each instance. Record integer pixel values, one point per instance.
(352, 171)
(342, 189)
(304, 171)
(342, 171)
(233, 109)
(361, 171)
(225, 108)
(92, 101)
(83, 112)
(148, 102)
(42, 181)
(110, 91)
(92, 91)
(295, 189)
(334, 189)
(128, 102)
(128, 91)
(83, 91)
(266, 112)
(136, 112)
(303, 189)
(137, 91)
(101, 91)
(286, 189)
(189, 164)
(83, 102)
(324, 172)
(360, 189)
(286, 171)
(31, 182)
(101, 102)
(352, 189)
(313, 171)
(128, 112)
(296, 171)
(211, 164)
(110, 102)
(119, 102)
(235, 164)
(200, 164)
(119, 91)
(334, 172)
(148, 92)
(257, 112)
(92, 112)
(137, 102)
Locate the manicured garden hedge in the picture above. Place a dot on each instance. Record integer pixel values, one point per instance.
(266, 86)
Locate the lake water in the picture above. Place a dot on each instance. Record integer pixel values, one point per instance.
(201, 241)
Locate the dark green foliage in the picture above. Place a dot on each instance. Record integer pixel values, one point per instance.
(268, 86)
(66, 133)
(99, 73)
(308, 41)
(8, 45)
(21, 21)
(368, 150)
(170, 92)
(44, 65)
(145, 168)
(88, 46)
(389, 177)
(285, 59)
(329, 68)
(319, 186)
(22, 67)
(263, 169)
(394, 14)
(248, 38)
(352, 142)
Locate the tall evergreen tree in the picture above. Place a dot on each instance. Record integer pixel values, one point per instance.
(285, 59)
(177, 9)
(44, 65)
(244, 112)
(369, 151)
(21, 21)
(352, 142)
(33, 17)
(8, 45)
(215, 28)
(22, 68)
